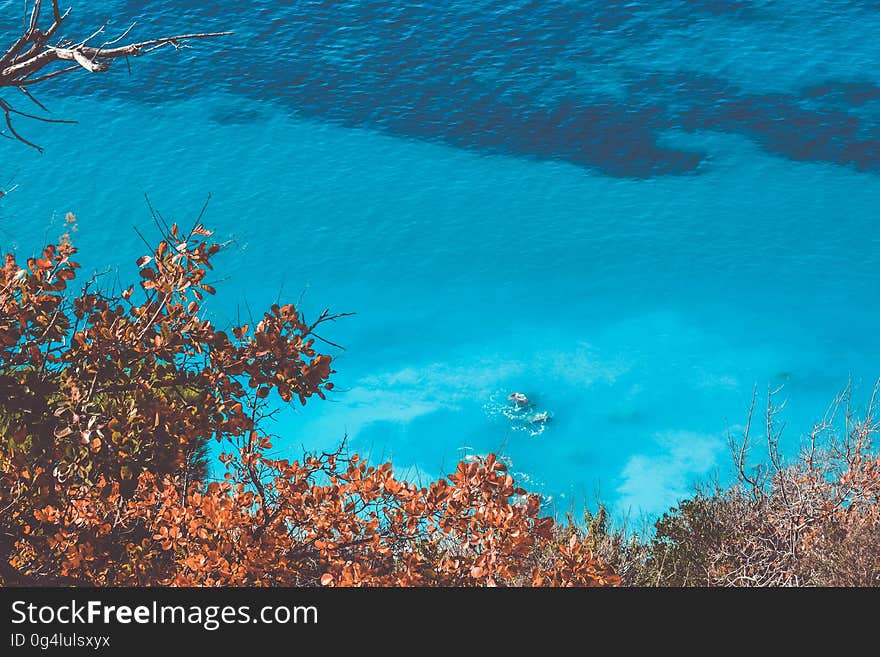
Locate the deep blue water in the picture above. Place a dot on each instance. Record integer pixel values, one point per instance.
(632, 212)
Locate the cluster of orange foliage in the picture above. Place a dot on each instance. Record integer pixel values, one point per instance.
(105, 400)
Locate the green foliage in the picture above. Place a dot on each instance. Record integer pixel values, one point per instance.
(685, 539)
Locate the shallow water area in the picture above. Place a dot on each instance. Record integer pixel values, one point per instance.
(632, 213)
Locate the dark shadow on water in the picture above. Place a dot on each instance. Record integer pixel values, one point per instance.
(845, 94)
(820, 124)
(495, 76)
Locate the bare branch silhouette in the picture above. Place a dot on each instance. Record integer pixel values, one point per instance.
(33, 59)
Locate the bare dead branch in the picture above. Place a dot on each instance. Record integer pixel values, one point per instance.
(31, 59)
(739, 449)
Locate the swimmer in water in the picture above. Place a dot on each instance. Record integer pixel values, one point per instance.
(540, 418)
(519, 399)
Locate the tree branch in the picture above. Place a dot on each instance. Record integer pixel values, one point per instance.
(30, 59)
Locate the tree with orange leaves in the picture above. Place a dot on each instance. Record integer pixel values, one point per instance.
(106, 397)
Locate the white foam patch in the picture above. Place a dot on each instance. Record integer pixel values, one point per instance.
(364, 406)
(710, 381)
(448, 382)
(651, 484)
(582, 366)
(403, 395)
(465, 384)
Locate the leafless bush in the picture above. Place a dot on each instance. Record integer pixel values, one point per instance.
(813, 521)
(810, 522)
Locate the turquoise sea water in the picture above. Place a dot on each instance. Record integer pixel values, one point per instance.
(632, 212)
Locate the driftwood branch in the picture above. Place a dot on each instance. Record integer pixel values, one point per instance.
(32, 59)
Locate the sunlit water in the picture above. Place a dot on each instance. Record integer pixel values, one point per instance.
(633, 213)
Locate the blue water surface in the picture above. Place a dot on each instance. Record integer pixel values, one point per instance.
(633, 212)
